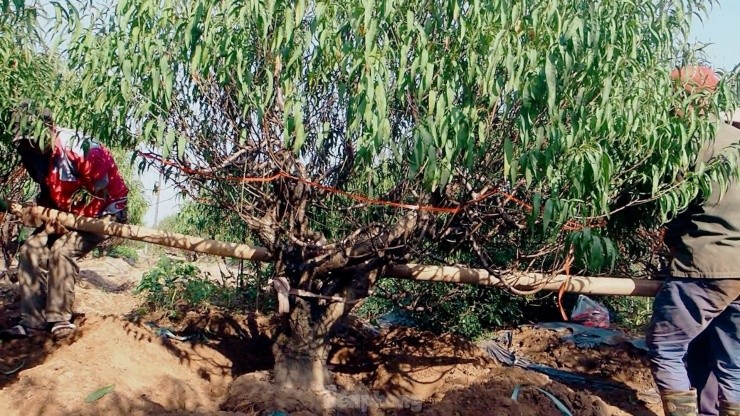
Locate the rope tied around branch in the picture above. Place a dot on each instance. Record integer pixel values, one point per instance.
(570, 225)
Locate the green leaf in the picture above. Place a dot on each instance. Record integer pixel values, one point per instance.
(97, 394)
(596, 256)
(432, 101)
(182, 142)
(551, 78)
(514, 172)
(611, 251)
(155, 81)
(300, 133)
(536, 207)
(169, 142)
(167, 74)
(23, 362)
(127, 70)
(300, 7)
(508, 155)
(380, 99)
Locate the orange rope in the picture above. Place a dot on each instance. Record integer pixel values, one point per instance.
(561, 291)
(569, 226)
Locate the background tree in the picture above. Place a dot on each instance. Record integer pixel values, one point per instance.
(31, 71)
(510, 135)
(27, 71)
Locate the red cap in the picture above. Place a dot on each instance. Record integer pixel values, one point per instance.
(701, 77)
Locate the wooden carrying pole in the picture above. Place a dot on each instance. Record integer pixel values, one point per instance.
(35, 216)
(528, 281)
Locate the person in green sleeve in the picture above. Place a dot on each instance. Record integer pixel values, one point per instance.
(702, 295)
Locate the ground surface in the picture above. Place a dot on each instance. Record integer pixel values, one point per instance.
(401, 371)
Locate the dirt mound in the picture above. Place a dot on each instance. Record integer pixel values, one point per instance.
(105, 287)
(405, 371)
(150, 375)
(210, 363)
(622, 371)
(415, 365)
(494, 391)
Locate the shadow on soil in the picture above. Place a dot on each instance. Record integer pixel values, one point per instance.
(20, 354)
(94, 279)
(118, 403)
(407, 364)
(17, 354)
(243, 340)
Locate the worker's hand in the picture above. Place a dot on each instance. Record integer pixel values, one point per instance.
(54, 227)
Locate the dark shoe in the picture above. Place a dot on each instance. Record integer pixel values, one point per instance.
(729, 409)
(62, 329)
(19, 332)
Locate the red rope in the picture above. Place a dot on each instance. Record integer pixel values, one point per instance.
(569, 226)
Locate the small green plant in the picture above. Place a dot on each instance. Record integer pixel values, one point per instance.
(171, 282)
(630, 312)
(117, 251)
(468, 311)
(174, 283)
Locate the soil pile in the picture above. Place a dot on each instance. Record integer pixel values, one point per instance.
(405, 371)
(223, 366)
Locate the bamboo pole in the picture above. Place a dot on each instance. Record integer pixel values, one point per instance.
(528, 281)
(35, 216)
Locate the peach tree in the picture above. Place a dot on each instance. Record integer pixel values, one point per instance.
(352, 135)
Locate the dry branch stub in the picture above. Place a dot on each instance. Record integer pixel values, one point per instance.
(34, 216)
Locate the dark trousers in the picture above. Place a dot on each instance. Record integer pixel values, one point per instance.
(684, 310)
(700, 363)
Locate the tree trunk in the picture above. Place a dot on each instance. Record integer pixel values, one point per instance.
(8, 240)
(301, 347)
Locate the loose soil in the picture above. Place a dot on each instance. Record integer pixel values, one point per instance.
(225, 368)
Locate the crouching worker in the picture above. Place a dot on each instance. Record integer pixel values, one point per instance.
(75, 175)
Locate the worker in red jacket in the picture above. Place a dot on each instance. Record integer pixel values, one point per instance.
(77, 175)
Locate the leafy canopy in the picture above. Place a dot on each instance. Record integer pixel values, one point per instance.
(566, 104)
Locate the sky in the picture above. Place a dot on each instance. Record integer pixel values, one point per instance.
(718, 31)
(169, 199)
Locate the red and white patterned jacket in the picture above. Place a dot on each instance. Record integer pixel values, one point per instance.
(83, 178)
